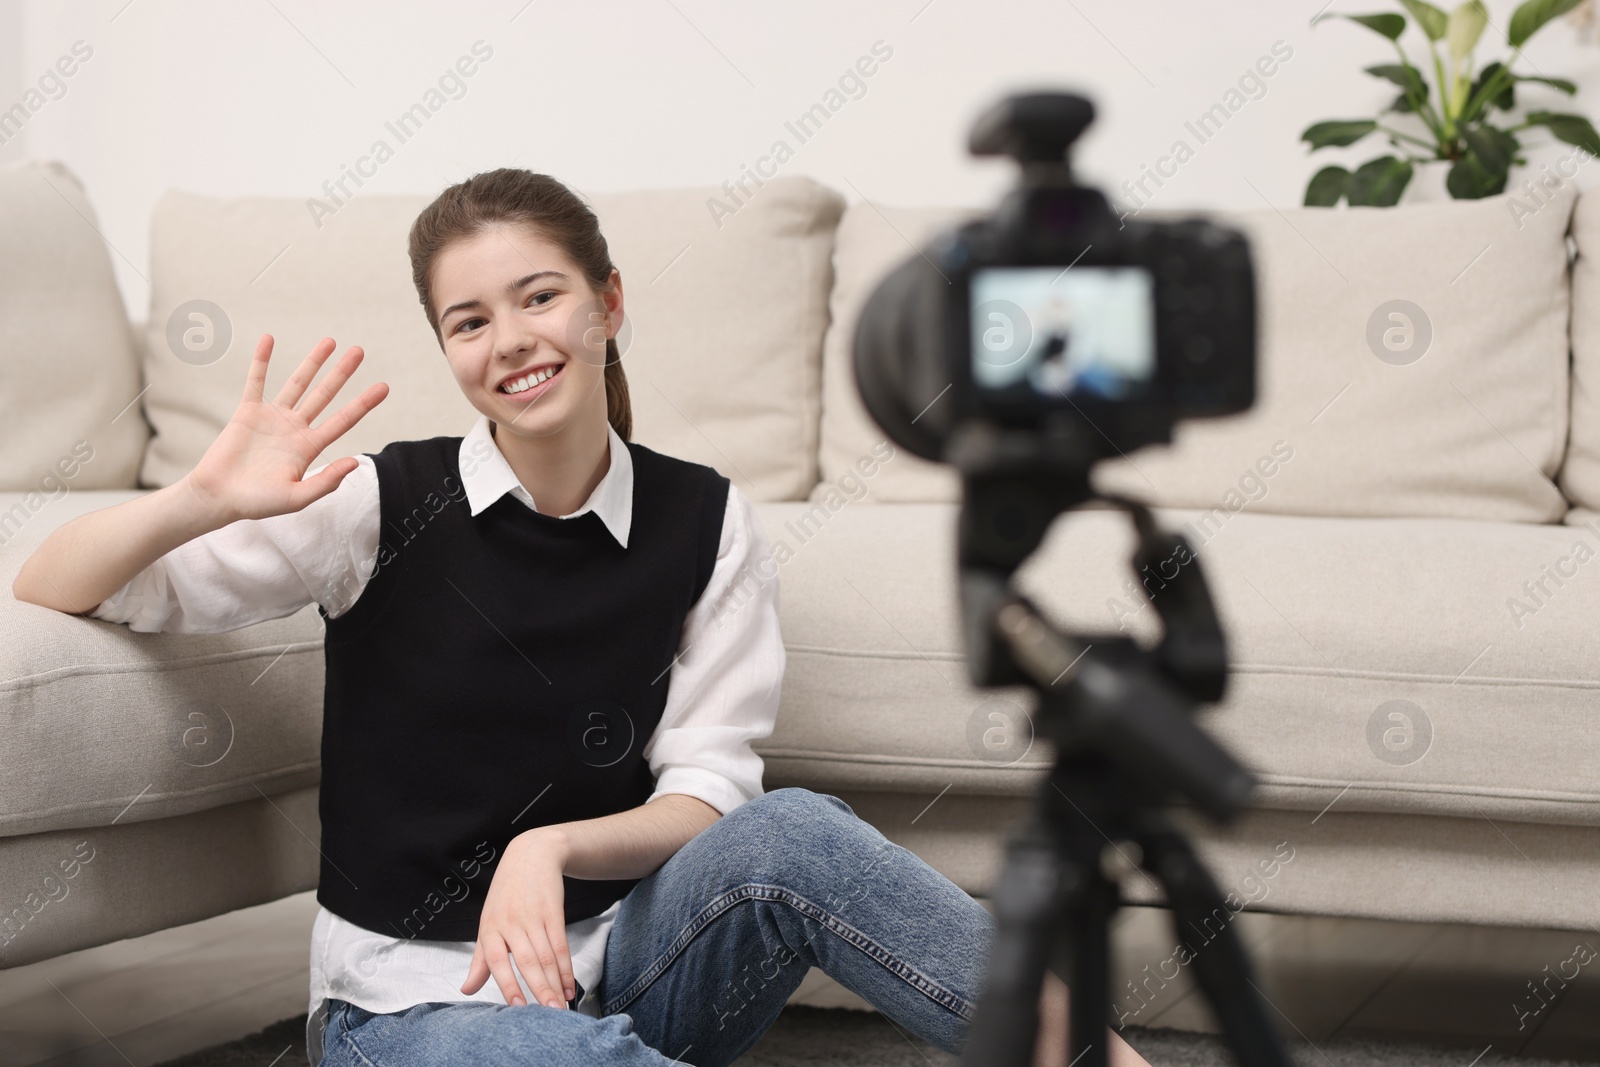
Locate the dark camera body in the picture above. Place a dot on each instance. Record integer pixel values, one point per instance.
(1053, 313)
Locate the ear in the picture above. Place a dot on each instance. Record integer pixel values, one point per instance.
(612, 296)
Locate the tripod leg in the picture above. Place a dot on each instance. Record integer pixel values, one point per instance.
(1090, 907)
(1026, 897)
(1222, 969)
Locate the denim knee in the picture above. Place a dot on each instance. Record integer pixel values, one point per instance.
(788, 834)
(793, 805)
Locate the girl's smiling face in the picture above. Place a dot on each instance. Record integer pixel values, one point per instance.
(511, 304)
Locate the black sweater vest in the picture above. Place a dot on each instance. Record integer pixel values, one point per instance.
(497, 673)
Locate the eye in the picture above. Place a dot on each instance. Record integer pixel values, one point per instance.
(551, 293)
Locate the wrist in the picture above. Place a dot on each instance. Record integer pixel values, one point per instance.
(199, 512)
(551, 841)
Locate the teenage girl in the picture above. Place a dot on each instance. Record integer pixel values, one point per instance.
(541, 693)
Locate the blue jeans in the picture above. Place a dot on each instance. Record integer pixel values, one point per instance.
(706, 950)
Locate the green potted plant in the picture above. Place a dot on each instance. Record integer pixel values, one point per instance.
(1458, 113)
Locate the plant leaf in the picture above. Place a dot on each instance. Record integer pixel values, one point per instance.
(1466, 26)
(1432, 20)
(1337, 132)
(1403, 75)
(1570, 88)
(1477, 104)
(1573, 129)
(1494, 147)
(1468, 180)
(1504, 99)
(1379, 182)
(1527, 19)
(1391, 26)
(1327, 186)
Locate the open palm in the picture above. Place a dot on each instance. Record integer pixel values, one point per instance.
(256, 467)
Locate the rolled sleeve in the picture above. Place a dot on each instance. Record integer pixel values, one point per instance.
(724, 687)
(719, 790)
(253, 570)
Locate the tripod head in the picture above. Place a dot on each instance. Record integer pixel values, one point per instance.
(1097, 693)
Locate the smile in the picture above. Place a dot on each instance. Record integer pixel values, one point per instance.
(527, 388)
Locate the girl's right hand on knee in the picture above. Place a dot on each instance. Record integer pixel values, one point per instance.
(256, 466)
(524, 919)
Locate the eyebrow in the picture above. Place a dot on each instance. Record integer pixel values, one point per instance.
(511, 288)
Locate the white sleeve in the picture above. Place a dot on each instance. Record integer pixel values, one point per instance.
(724, 687)
(258, 569)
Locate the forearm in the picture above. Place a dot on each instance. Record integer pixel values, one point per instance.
(629, 844)
(94, 555)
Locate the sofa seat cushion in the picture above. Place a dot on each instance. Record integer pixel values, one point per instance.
(1329, 621)
(104, 725)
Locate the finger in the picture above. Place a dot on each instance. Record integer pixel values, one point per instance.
(538, 965)
(255, 378)
(335, 425)
(476, 972)
(558, 942)
(307, 370)
(500, 966)
(331, 382)
(323, 482)
(550, 961)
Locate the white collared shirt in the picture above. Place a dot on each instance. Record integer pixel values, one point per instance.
(722, 693)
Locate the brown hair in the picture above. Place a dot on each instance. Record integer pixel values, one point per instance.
(556, 213)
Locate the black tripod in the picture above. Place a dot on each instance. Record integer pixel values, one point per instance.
(1119, 716)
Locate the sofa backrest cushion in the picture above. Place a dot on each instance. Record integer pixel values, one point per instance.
(1457, 408)
(723, 343)
(872, 241)
(70, 379)
(1580, 474)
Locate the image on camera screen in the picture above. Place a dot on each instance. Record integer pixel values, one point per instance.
(1084, 332)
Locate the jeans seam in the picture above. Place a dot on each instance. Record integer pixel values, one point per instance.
(758, 891)
(351, 1042)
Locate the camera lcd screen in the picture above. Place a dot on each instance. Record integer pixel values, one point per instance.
(1080, 332)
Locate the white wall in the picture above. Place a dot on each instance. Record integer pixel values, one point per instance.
(11, 76)
(278, 96)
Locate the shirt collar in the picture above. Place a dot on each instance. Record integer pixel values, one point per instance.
(487, 477)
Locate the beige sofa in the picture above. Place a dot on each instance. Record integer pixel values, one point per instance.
(1427, 749)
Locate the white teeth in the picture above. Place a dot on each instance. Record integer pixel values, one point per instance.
(528, 382)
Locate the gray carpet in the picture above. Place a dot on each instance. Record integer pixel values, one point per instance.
(837, 1037)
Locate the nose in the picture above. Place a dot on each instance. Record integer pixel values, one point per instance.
(513, 342)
